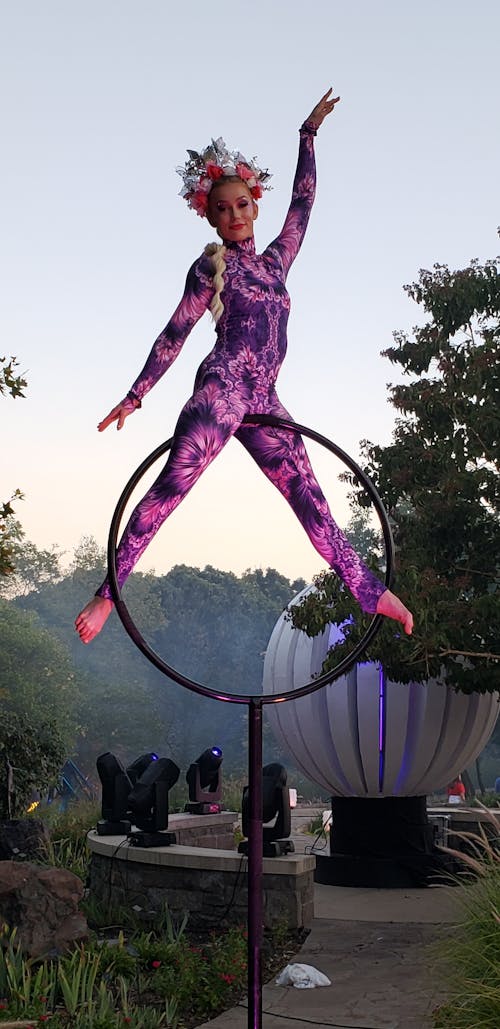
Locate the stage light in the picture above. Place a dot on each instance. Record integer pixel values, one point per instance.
(275, 804)
(116, 787)
(148, 804)
(204, 778)
(138, 767)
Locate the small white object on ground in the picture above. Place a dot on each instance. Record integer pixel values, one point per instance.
(303, 977)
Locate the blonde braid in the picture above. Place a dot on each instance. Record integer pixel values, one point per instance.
(216, 252)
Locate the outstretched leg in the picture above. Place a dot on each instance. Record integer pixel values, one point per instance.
(281, 455)
(206, 423)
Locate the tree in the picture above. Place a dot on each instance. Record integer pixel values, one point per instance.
(439, 480)
(210, 624)
(32, 568)
(11, 534)
(115, 704)
(10, 529)
(9, 381)
(36, 701)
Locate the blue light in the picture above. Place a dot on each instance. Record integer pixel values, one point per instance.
(216, 751)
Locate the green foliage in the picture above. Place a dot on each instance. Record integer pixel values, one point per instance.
(315, 825)
(10, 382)
(471, 956)
(30, 986)
(74, 822)
(209, 624)
(10, 536)
(233, 791)
(36, 698)
(488, 799)
(77, 977)
(33, 568)
(69, 853)
(35, 670)
(67, 845)
(151, 980)
(10, 529)
(36, 751)
(439, 480)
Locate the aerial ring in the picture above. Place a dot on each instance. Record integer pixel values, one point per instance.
(342, 667)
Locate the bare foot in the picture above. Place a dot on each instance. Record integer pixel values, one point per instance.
(392, 607)
(91, 620)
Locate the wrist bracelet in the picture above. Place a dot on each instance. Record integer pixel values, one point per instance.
(135, 400)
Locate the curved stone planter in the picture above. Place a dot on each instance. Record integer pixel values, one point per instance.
(209, 885)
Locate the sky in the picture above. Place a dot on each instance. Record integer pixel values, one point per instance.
(100, 100)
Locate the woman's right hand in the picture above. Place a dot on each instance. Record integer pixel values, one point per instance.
(118, 414)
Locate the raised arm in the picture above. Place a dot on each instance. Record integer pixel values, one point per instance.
(288, 243)
(196, 299)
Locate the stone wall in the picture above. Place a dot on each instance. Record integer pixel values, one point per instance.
(205, 830)
(210, 885)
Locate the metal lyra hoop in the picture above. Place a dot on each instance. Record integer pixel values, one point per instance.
(236, 698)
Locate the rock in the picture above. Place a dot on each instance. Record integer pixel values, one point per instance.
(22, 839)
(42, 904)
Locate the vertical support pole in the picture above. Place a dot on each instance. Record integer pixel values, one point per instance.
(255, 847)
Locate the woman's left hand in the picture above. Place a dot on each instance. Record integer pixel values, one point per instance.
(325, 106)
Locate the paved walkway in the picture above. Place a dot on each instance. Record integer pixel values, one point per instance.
(375, 946)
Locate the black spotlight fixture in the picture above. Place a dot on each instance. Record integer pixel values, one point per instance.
(148, 804)
(204, 778)
(138, 767)
(275, 804)
(116, 787)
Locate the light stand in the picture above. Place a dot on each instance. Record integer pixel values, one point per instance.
(148, 804)
(204, 778)
(275, 804)
(116, 787)
(138, 767)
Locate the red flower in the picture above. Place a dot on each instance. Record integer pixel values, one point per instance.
(199, 202)
(44, 1018)
(214, 171)
(155, 964)
(244, 171)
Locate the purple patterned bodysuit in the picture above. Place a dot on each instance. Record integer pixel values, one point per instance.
(238, 378)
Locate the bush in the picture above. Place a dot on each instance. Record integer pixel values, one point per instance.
(472, 955)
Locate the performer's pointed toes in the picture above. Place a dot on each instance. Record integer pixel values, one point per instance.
(92, 618)
(392, 607)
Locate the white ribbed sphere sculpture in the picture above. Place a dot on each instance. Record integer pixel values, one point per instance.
(363, 736)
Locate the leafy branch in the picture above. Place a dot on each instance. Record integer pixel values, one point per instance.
(9, 381)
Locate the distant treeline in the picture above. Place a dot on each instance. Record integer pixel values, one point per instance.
(212, 625)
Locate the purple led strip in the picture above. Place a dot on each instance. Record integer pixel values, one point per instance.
(381, 726)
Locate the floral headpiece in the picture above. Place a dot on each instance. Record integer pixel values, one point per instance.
(203, 169)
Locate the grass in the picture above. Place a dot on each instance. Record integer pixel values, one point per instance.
(488, 799)
(471, 958)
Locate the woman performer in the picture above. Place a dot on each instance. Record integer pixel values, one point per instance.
(239, 375)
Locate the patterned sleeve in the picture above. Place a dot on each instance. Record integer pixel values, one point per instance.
(286, 246)
(196, 299)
